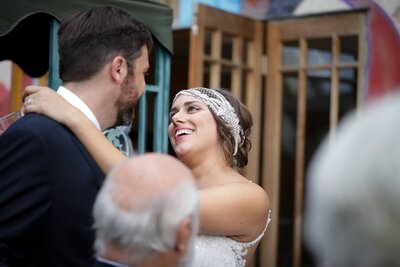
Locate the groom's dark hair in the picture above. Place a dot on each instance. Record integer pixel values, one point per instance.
(89, 39)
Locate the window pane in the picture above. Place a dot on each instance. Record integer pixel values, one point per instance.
(319, 51)
(206, 74)
(207, 42)
(149, 125)
(291, 53)
(151, 75)
(227, 45)
(226, 77)
(245, 50)
(348, 48)
(243, 87)
(318, 83)
(318, 110)
(287, 170)
(348, 91)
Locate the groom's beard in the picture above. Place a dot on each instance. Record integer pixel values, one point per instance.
(126, 102)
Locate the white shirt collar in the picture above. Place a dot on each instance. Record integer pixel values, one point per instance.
(117, 264)
(79, 104)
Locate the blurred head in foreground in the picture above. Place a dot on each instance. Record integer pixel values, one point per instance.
(146, 213)
(353, 194)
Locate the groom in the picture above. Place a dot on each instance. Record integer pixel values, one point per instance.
(48, 181)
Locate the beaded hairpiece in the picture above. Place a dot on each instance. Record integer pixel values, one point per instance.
(221, 108)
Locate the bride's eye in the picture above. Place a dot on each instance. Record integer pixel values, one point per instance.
(192, 109)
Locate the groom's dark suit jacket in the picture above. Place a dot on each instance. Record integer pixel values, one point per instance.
(48, 183)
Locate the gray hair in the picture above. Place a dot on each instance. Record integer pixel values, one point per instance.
(353, 195)
(151, 227)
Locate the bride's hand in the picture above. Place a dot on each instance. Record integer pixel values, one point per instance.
(43, 100)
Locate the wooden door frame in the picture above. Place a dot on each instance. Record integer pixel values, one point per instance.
(278, 32)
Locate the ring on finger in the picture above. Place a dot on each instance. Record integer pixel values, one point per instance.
(29, 101)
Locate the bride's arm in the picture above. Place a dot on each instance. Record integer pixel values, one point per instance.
(47, 102)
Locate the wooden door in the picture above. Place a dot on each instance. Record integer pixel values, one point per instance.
(225, 52)
(315, 76)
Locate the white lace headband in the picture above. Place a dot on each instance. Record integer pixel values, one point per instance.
(221, 108)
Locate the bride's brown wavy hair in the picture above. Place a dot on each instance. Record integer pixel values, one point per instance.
(225, 136)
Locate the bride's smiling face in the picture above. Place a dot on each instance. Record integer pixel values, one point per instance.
(192, 127)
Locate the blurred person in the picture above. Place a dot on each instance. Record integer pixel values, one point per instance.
(353, 195)
(209, 131)
(48, 180)
(146, 213)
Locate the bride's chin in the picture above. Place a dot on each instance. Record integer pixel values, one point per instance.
(181, 155)
(180, 151)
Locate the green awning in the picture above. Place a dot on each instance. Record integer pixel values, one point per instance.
(25, 24)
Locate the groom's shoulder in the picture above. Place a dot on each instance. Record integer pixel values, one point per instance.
(38, 122)
(38, 125)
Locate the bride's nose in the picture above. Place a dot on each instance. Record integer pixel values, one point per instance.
(177, 118)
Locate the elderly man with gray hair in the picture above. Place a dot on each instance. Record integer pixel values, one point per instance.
(146, 214)
(353, 196)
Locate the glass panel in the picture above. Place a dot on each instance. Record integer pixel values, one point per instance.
(226, 77)
(348, 48)
(151, 98)
(291, 53)
(318, 83)
(348, 91)
(134, 134)
(243, 86)
(206, 74)
(317, 127)
(151, 76)
(287, 170)
(227, 47)
(245, 49)
(318, 110)
(319, 51)
(207, 42)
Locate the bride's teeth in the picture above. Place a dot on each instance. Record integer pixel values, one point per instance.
(182, 132)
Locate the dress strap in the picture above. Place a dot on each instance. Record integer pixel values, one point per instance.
(255, 241)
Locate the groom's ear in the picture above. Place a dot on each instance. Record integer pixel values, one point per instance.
(118, 69)
(183, 235)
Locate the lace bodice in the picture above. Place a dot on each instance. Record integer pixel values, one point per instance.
(221, 251)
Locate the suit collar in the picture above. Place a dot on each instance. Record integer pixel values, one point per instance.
(79, 104)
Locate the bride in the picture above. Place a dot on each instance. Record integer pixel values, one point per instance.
(209, 131)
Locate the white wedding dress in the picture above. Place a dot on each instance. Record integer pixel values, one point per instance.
(221, 251)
